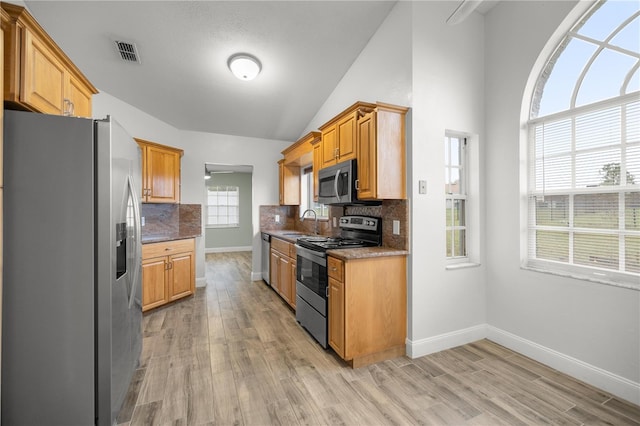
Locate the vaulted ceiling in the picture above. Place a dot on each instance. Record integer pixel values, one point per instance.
(305, 48)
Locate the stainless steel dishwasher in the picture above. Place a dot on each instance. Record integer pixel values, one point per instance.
(266, 256)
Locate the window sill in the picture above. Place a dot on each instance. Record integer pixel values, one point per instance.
(578, 276)
(465, 265)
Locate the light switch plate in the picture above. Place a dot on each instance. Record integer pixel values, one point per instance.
(396, 227)
(277, 218)
(422, 186)
(335, 222)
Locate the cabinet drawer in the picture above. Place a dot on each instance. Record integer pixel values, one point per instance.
(283, 247)
(335, 268)
(167, 248)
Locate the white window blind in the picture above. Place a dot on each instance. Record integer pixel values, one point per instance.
(223, 206)
(584, 192)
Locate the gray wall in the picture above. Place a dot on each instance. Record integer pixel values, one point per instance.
(232, 238)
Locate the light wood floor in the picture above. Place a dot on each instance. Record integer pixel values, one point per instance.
(234, 355)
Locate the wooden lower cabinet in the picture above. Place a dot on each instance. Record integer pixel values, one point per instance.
(283, 270)
(336, 319)
(367, 308)
(168, 272)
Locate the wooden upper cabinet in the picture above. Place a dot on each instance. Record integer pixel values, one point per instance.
(317, 165)
(289, 184)
(298, 155)
(38, 75)
(339, 138)
(381, 152)
(160, 172)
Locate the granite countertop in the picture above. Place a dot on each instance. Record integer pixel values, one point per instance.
(288, 235)
(365, 253)
(159, 238)
(343, 254)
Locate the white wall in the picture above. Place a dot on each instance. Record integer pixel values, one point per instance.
(416, 60)
(382, 72)
(262, 154)
(590, 330)
(448, 306)
(200, 148)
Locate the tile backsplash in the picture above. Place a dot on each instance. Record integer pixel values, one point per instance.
(389, 211)
(161, 219)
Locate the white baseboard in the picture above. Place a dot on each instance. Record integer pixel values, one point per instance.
(441, 342)
(201, 282)
(619, 386)
(226, 249)
(256, 276)
(595, 376)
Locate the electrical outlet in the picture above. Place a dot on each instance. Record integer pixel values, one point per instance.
(142, 221)
(396, 227)
(335, 221)
(277, 218)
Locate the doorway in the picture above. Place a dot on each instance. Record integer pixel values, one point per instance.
(228, 207)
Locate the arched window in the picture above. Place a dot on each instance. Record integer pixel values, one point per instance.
(584, 151)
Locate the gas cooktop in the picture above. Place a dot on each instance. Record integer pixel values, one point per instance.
(331, 243)
(355, 231)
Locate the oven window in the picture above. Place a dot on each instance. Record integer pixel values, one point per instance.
(312, 275)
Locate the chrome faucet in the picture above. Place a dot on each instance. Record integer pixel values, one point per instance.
(315, 217)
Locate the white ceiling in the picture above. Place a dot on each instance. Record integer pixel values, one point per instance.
(305, 48)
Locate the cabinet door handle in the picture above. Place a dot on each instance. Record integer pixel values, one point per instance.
(67, 108)
(334, 268)
(326, 290)
(357, 184)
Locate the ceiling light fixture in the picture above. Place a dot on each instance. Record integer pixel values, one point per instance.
(244, 66)
(462, 12)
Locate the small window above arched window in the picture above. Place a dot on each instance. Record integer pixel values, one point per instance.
(598, 59)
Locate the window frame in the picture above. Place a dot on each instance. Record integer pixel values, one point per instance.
(570, 268)
(463, 195)
(529, 260)
(227, 189)
(306, 188)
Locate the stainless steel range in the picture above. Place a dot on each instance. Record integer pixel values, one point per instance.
(311, 275)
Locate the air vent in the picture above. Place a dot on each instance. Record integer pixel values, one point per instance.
(128, 51)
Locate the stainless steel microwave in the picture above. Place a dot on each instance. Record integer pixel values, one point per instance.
(337, 184)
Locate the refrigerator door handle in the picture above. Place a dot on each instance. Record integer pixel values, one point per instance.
(137, 236)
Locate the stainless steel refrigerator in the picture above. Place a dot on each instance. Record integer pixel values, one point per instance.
(72, 317)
